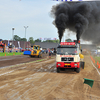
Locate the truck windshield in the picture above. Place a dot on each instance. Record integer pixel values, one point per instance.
(67, 51)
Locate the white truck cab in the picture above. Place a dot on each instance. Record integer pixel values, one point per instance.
(68, 56)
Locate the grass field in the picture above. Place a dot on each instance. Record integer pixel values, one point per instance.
(97, 59)
(10, 53)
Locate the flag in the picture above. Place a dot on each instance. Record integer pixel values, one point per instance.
(40, 38)
(8, 43)
(19, 44)
(89, 82)
(47, 39)
(54, 39)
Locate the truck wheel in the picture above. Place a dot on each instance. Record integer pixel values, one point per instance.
(78, 70)
(82, 64)
(38, 56)
(58, 70)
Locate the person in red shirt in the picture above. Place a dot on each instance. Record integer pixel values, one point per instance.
(49, 53)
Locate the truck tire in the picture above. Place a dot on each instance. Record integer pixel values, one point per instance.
(78, 70)
(58, 70)
(82, 64)
(39, 56)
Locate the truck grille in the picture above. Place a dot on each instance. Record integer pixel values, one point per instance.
(66, 66)
(67, 59)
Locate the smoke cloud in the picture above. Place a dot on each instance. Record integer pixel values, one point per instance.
(83, 18)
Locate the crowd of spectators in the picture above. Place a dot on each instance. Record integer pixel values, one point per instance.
(52, 51)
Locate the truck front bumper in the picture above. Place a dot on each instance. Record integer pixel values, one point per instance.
(68, 65)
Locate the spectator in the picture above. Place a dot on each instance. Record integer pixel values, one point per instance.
(46, 51)
(50, 53)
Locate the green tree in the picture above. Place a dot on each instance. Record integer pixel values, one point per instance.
(23, 39)
(48, 41)
(37, 40)
(68, 40)
(54, 41)
(31, 40)
(17, 38)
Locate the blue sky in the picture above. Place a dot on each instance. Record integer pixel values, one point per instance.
(32, 13)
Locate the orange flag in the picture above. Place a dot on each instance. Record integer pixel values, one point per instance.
(93, 61)
(99, 66)
(97, 63)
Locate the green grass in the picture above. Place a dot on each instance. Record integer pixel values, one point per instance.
(10, 53)
(39, 60)
(97, 59)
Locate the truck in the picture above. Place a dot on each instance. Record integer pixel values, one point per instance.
(69, 56)
(36, 52)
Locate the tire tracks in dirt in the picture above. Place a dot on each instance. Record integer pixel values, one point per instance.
(56, 85)
(39, 81)
(27, 76)
(52, 88)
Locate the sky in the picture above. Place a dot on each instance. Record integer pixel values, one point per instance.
(32, 13)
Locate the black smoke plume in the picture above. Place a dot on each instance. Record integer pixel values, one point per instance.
(83, 18)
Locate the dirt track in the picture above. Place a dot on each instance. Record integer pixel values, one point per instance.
(12, 60)
(39, 81)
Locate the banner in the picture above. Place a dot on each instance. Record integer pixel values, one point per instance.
(40, 38)
(44, 39)
(19, 44)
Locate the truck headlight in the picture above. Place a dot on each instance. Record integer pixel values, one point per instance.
(59, 64)
(75, 64)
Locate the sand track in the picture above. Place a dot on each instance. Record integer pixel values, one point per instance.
(39, 81)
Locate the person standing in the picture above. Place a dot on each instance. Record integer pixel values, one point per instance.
(49, 53)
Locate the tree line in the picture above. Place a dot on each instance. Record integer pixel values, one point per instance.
(32, 41)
